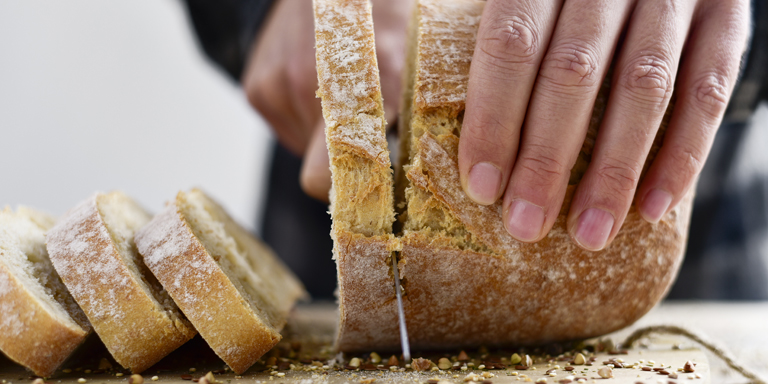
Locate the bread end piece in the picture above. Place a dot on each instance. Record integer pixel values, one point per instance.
(92, 249)
(42, 325)
(231, 287)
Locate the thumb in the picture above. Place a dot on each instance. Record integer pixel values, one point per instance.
(315, 175)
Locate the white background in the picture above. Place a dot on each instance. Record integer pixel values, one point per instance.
(102, 95)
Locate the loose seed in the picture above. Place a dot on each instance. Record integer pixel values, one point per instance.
(605, 372)
(515, 359)
(462, 356)
(689, 366)
(66, 370)
(444, 363)
(135, 379)
(81, 380)
(354, 363)
(155, 378)
(119, 374)
(579, 359)
(375, 358)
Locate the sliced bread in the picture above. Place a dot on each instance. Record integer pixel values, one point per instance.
(41, 325)
(232, 287)
(93, 251)
(361, 192)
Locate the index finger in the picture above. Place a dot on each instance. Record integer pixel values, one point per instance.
(511, 42)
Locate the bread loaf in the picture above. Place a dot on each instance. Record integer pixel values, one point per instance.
(466, 281)
(93, 251)
(230, 286)
(41, 325)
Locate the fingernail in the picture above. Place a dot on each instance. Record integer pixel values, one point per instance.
(483, 183)
(593, 228)
(655, 205)
(524, 220)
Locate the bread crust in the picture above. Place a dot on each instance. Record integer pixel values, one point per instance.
(33, 337)
(529, 293)
(124, 316)
(203, 291)
(367, 307)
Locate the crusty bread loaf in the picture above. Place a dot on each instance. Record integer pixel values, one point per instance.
(466, 281)
(41, 324)
(231, 286)
(361, 193)
(93, 251)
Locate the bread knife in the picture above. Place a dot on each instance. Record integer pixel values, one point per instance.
(401, 313)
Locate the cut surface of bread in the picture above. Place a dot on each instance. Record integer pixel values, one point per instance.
(467, 282)
(41, 325)
(362, 192)
(93, 250)
(232, 287)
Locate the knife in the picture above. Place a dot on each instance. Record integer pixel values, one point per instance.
(400, 313)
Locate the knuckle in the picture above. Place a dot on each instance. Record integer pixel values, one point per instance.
(257, 91)
(543, 164)
(685, 164)
(648, 78)
(509, 41)
(711, 94)
(618, 176)
(571, 65)
(302, 78)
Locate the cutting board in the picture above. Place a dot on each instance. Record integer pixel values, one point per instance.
(309, 337)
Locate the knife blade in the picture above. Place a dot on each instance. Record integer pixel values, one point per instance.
(400, 312)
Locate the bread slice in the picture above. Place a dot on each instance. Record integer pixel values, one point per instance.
(41, 324)
(466, 281)
(93, 251)
(361, 193)
(235, 291)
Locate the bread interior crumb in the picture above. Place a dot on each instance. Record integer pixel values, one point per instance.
(23, 253)
(244, 263)
(123, 217)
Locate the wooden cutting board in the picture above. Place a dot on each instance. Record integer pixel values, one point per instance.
(309, 336)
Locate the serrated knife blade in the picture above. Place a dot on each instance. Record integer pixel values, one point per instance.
(400, 312)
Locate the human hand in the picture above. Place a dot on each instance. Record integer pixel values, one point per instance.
(280, 80)
(535, 74)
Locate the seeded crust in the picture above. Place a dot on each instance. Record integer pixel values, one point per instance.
(240, 328)
(126, 309)
(467, 281)
(32, 332)
(361, 194)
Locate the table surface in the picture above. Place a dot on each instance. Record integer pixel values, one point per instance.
(740, 327)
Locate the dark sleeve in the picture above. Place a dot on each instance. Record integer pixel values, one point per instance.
(226, 29)
(753, 85)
